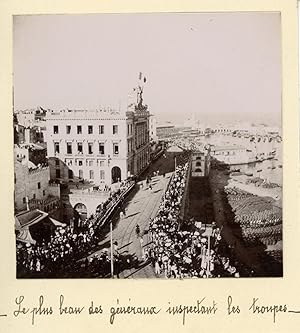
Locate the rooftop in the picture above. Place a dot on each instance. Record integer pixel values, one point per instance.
(77, 113)
(32, 146)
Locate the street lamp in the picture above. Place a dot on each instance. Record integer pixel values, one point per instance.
(209, 234)
(111, 252)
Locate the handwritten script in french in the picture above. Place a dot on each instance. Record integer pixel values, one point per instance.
(200, 307)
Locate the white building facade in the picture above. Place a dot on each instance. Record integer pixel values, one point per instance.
(87, 145)
(99, 146)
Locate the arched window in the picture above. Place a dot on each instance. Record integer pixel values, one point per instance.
(198, 170)
(198, 163)
(115, 174)
(81, 210)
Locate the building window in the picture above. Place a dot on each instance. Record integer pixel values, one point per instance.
(79, 148)
(116, 149)
(56, 147)
(33, 196)
(57, 173)
(101, 163)
(79, 129)
(115, 129)
(69, 148)
(39, 185)
(101, 148)
(128, 129)
(90, 148)
(44, 192)
(80, 163)
(102, 174)
(68, 129)
(24, 200)
(198, 164)
(101, 129)
(55, 129)
(91, 174)
(80, 174)
(90, 129)
(70, 174)
(57, 162)
(91, 163)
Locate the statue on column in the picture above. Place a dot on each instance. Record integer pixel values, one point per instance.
(140, 97)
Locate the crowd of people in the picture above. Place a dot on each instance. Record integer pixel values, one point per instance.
(114, 198)
(261, 183)
(68, 244)
(259, 219)
(179, 249)
(186, 250)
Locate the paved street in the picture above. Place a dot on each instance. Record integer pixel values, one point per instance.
(139, 210)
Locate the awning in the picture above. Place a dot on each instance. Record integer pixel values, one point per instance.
(57, 223)
(24, 236)
(174, 149)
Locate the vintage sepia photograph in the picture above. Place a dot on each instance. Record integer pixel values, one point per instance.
(148, 146)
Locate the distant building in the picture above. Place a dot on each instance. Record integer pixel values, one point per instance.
(29, 126)
(169, 132)
(152, 128)
(164, 131)
(201, 163)
(230, 154)
(31, 117)
(26, 118)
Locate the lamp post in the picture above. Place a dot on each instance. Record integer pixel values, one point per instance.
(208, 257)
(111, 252)
(27, 203)
(209, 234)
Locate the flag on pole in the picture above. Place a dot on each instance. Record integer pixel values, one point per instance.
(145, 80)
(140, 76)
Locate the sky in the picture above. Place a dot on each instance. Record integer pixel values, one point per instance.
(220, 66)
